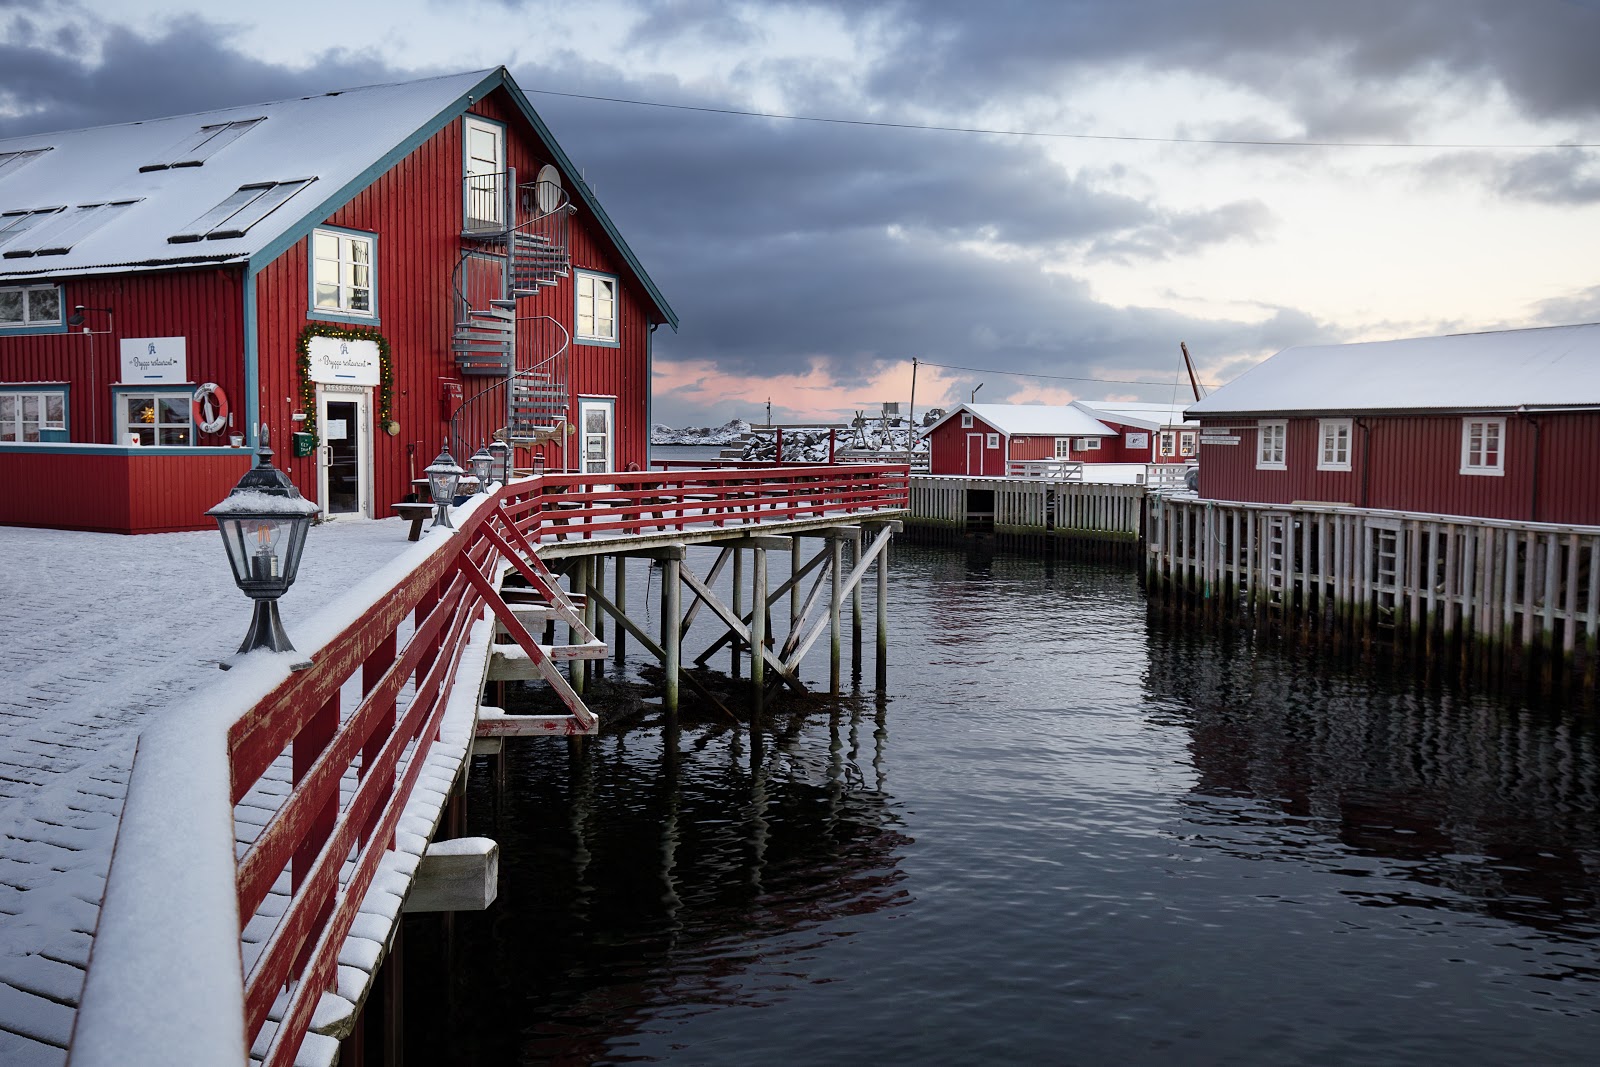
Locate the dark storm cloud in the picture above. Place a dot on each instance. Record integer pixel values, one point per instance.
(187, 67)
(1564, 177)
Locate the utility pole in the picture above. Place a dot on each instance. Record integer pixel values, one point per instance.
(1188, 364)
(769, 411)
(911, 414)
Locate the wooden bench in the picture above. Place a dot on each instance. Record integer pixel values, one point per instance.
(416, 513)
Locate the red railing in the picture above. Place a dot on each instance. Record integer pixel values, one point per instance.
(165, 981)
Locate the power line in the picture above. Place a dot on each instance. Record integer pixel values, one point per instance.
(1242, 142)
(1052, 377)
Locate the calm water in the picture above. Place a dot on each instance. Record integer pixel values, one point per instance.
(1066, 834)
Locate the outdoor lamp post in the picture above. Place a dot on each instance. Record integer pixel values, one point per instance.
(444, 476)
(538, 464)
(502, 461)
(482, 464)
(264, 520)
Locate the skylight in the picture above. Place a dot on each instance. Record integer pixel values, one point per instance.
(55, 235)
(13, 224)
(195, 150)
(14, 161)
(240, 211)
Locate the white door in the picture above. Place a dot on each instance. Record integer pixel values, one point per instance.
(596, 435)
(344, 453)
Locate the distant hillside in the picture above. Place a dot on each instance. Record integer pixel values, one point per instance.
(730, 433)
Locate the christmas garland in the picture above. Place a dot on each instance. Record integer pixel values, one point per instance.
(308, 388)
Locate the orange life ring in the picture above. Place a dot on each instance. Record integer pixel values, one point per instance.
(209, 406)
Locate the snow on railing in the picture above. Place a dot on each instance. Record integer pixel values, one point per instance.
(171, 978)
(1055, 470)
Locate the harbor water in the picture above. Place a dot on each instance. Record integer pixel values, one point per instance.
(1067, 831)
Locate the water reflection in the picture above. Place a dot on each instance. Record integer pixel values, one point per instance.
(1420, 797)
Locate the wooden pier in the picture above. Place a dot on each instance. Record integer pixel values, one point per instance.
(1506, 602)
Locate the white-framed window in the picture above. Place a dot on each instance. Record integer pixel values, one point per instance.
(966, 420)
(1483, 446)
(25, 412)
(1063, 447)
(23, 306)
(1272, 445)
(1187, 444)
(993, 441)
(1167, 443)
(343, 273)
(1333, 450)
(154, 418)
(1086, 444)
(597, 307)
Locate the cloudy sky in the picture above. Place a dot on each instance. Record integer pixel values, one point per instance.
(810, 261)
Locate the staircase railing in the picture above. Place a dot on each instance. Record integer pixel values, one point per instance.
(472, 408)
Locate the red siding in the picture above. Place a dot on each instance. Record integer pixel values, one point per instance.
(948, 449)
(1415, 465)
(154, 491)
(203, 306)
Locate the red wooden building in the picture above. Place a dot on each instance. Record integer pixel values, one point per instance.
(981, 439)
(365, 274)
(1502, 425)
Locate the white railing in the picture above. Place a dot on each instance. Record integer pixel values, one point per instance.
(1055, 470)
(1166, 475)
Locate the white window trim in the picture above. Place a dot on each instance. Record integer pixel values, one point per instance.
(1281, 426)
(1063, 447)
(1188, 443)
(596, 278)
(345, 240)
(966, 420)
(993, 441)
(1498, 468)
(28, 322)
(43, 396)
(125, 429)
(1327, 428)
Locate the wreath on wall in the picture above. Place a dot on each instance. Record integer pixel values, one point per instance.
(308, 388)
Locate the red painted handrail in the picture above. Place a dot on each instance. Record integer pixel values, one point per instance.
(309, 836)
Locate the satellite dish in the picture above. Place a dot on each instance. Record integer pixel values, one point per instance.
(548, 189)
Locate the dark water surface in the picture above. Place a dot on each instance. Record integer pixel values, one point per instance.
(1068, 834)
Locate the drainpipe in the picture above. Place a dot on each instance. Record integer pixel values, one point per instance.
(1366, 458)
(1538, 443)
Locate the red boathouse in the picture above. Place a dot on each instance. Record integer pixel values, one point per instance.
(366, 274)
(1501, 425)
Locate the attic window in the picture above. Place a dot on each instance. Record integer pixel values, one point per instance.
(203, 145)
(240, 211)
(13, 161)
(56, 236)
(13, 224)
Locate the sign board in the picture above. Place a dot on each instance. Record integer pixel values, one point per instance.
(1217, 439)
(1137, 440)
(337, 362)
(155, 360)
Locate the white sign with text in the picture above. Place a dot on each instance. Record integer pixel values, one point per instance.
(155, 360)
(336, 362)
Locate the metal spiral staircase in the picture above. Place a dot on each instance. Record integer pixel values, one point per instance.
(532, 391)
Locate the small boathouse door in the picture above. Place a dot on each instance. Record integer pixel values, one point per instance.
(974, 453)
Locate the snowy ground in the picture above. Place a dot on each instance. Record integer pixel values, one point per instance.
(99, 633)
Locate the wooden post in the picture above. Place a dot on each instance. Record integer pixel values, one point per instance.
(855, 617)
(620, 642)
(835, 610)
(794, 590)
(758, 636)
(671, 641)
(883, 617)
(735, 645)
(578, 669)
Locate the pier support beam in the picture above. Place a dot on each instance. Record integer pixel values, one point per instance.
(758, 636)
(621, 644)
(883, 617)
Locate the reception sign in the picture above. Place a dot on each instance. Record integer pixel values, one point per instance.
(155, 360)
(336, 362)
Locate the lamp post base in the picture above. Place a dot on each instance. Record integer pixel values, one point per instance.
(266, 632)
(441, 517)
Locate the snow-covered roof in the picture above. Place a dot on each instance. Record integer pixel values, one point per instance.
(1549, 367)
(235, 185)
(1041, 420)
(328, 141)
(1146, 416)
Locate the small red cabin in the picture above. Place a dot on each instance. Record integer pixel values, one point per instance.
(367, 275)
(1502, 425)
(981, 439)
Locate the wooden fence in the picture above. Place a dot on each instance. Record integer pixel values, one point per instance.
(1096, 519)
(1498, 598)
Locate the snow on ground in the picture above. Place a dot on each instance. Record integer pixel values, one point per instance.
(98, 634)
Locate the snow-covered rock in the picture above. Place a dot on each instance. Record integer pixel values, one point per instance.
(731, 432)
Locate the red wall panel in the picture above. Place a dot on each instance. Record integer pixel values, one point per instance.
(130, 492)
(948, 450)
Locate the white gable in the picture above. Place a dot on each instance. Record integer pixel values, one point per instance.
(332, 138)
(1557, 366)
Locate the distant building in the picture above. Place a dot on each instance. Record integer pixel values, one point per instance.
(981, 439)
(349, 269)
(1150, 433)
(1501, 425)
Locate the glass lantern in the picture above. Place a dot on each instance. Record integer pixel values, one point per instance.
(482, 464)
(444, 477)
(502, 462)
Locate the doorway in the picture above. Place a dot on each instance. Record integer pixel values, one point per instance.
(974, 453)
(597, 438)
(344, 455)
